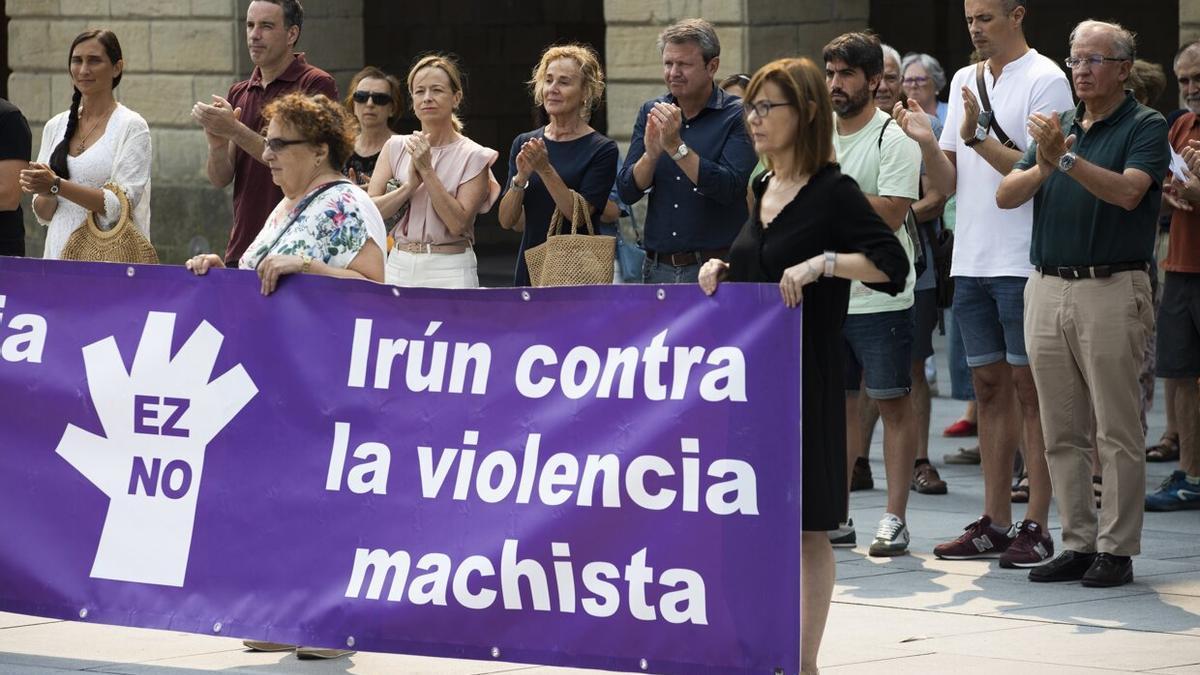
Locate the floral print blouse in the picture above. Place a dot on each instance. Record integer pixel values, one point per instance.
(332, 228)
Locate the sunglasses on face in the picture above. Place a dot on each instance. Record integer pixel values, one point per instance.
(378, 98)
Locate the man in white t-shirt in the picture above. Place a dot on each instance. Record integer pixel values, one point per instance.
(983, 138)
(879, 328)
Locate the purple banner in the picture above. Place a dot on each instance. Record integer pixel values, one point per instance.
(602, 477)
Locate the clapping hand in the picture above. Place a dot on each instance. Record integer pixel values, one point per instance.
(220, 120)
(537, 156)
(37, 179)
(653, 135)
(670, 121)
(970, 114)
(1047, 132)
(914, 121)
(422, 157)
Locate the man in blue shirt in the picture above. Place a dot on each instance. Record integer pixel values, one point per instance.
(690, 152)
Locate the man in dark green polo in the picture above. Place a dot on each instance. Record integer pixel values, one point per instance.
(1095, 174)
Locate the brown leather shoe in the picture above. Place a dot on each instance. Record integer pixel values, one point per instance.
(926, 481)
(318, 653)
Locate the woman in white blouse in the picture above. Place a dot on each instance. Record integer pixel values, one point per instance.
(97, 141)
(444, 177)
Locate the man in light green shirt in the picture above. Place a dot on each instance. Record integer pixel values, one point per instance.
(877, 154)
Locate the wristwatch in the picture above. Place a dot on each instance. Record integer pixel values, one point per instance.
(1066, 162)
(519, 186)
(830, 261)
(981, 129)
(54, 187)
(681, 152)
(305, 262)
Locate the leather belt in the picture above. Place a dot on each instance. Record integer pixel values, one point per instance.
(685, 258)
(426, 247)
(1092, 271)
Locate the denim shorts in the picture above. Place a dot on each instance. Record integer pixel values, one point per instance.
(879, 350)
(990, 312)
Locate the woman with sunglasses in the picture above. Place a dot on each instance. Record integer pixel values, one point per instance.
(324, 225)
(375, 100)
(98, 141)
(445, 180)
(567, 155)
(812, 231)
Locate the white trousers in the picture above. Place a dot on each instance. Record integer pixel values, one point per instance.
(432, 270)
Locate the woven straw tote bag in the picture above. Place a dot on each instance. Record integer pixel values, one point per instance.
(572, 259)
(124, 243)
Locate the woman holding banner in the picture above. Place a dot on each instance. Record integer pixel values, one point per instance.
(324, 225)
(812, 231)
(96, 142)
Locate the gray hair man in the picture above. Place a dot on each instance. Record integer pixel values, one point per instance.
(1089, 310)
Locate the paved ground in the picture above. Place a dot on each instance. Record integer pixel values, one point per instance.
(912, 614)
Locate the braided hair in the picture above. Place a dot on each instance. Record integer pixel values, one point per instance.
(112, 48)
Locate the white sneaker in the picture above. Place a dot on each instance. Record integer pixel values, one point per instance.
(844, 536)
(891, 537)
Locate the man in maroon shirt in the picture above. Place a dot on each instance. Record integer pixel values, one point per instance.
(233, 125)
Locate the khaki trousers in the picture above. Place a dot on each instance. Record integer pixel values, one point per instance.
(1085, 340)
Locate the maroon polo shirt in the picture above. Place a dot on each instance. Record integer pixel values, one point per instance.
(254, 193)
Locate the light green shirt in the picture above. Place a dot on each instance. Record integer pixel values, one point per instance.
(888, 169)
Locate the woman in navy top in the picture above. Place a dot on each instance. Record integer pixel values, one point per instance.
(567, 154)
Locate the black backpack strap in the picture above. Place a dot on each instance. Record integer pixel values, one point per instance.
(986, 104)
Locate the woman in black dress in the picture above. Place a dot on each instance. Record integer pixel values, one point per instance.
(812, 232)
(375, 100)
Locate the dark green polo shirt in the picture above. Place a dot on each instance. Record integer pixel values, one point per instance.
(1071, 226)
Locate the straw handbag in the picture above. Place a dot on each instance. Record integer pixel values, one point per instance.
(124, 243)
(572, 259)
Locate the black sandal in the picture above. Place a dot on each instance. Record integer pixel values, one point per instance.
(1020, 489)
(1166, 450)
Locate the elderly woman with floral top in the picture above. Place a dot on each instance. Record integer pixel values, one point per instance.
(325, 224)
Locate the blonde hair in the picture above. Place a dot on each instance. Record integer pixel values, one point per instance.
(589, 68)
(449, 65)
(803, 85)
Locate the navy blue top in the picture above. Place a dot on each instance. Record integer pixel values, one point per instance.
(587, 165)
(683, 216)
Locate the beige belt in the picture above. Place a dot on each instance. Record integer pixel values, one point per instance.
(426, 247)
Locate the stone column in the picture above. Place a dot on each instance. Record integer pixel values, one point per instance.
(176, 53)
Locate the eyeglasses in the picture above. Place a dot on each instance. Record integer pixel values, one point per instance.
(1092, 61)
(762, 108)
(277, 144)
(379, 98)
(914, 81)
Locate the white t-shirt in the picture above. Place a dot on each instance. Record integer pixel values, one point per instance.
(888, 169)
(990, 241)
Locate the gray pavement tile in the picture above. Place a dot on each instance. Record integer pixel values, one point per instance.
(1073, 645)
(104, 644)
(9, 669)
(244, 662)
(1150, 612)
(8, 620)
(926, 664)
(1190, 669)
(960, 594)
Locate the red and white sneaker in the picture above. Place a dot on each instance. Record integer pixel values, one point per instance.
(1032, 547)
(978, 540)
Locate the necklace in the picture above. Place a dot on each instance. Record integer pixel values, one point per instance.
(82, 145)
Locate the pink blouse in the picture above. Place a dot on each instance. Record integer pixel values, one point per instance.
(454, 164)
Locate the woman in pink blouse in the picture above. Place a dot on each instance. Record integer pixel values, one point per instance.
(445, 179)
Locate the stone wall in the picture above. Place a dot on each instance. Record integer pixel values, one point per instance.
(176, 52)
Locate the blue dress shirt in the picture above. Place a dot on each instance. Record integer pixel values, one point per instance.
(683, 216)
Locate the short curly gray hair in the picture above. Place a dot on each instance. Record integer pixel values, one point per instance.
(1124, 42)
(931, 66)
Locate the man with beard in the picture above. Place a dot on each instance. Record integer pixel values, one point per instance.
(879, 328)
(1095, 173)
(1179, 316)
(233, 125)
(978, 147)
